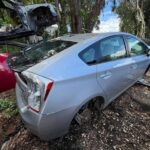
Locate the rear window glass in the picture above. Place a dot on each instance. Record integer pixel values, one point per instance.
(47, 49)
(36, 54)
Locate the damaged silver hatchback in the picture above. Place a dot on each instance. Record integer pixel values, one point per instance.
(57, 79)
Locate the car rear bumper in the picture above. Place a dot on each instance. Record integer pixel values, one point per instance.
(45, 126)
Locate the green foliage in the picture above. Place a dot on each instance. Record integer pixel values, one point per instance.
(146, 11)
(28, 2)
(6, 17)
(127, 14)
(131, 16)
(9, 49)
(1, 22)
(90, 10)
(8, 108)
(81, 15)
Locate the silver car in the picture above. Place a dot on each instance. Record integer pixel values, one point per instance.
(59, 77)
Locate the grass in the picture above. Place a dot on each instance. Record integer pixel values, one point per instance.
(8, 108)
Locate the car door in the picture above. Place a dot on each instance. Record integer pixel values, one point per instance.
(113, 72)
(140, 59)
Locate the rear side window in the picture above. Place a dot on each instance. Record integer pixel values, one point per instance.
(111, 49)
(136, 47)
(89, 55)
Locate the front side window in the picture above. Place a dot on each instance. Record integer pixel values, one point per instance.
(112, 48)
(136, 47)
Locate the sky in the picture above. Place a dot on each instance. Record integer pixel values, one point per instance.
(109, 20)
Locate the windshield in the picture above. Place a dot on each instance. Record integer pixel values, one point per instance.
(36, 54)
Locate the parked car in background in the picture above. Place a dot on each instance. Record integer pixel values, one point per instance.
(7, 77)
(30, 19)
(58, 79)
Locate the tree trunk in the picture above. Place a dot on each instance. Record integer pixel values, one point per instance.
(81, 15)
(90, 22)
(140, 20)
(76, 22)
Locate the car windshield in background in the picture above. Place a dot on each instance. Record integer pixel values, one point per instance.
(29, 57)
(9, 48)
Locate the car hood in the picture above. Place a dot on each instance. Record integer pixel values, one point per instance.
(32, 18)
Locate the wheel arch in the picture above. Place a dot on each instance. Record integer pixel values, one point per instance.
(99, 97)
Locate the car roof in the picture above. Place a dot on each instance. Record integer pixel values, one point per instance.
(86, 36)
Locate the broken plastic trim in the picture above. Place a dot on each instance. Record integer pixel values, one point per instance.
(33, 18)
(144, 82)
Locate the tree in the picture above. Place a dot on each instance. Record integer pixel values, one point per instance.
(146, 11)
(127, 15)
(134, 16)
(81, 15)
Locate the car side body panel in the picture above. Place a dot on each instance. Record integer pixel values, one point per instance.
(114, 77)
(138, 65)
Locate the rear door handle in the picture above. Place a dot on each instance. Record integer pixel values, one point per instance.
(106, 75)
(134, 66)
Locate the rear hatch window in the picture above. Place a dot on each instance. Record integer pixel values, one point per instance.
(33, 55)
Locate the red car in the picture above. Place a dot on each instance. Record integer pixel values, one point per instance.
(7, 78)
(32, 19)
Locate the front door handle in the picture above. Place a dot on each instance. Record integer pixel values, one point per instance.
(106, 75)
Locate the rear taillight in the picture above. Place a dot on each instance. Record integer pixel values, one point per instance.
(49, 86)
(35, 96)
(38, 89)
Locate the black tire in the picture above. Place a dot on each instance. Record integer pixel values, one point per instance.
(147, 69)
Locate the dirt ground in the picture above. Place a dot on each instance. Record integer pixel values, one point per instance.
(123, 125)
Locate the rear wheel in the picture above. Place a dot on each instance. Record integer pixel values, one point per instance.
(85, 113)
